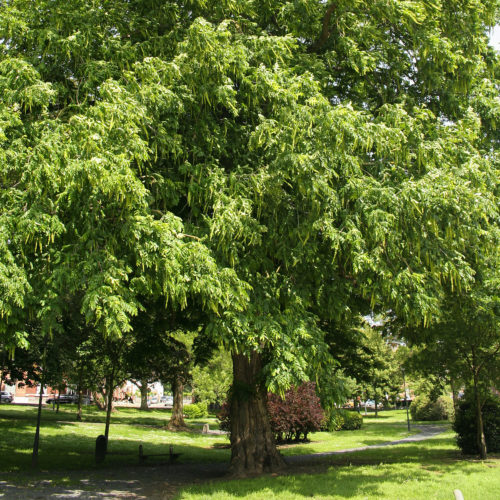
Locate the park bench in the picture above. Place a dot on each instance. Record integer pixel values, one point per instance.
(171, 455)
(101, 450)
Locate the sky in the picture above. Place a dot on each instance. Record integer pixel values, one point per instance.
(495, 37)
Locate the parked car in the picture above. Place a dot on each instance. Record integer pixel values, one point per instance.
(6, 397)
(370, 403)
(63, 399)
(153, 400)
(167, 400)
(348, 404)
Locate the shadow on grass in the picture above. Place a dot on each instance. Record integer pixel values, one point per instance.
(120, 415)
(367, 481)
(71, 445)
(155, 417)
(367, 436)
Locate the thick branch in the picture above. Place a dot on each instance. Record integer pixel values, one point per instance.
(325, 33)
(492, 355)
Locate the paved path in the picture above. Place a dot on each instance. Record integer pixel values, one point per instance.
(426, 432)
(160, 482)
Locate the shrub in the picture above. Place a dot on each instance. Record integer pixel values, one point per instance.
(196, 410)
(297, 414)
(465, 425)
(291, 418)
(353, 421)
(338, 419)
(422, 408)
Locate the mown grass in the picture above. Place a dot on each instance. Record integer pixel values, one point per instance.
(388, 426)
(427, 469)
(68, 445)
(424, 470)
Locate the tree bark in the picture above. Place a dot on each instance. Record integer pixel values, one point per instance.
(253, 447)
(481, 439)
(79, 409)
(1, 371)
(58, 399)
(34, 456)
(100, 401)
(110, 406)
(144, 395)
(454, 395)
(177, 419)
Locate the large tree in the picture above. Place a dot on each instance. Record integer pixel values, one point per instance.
(337, 157)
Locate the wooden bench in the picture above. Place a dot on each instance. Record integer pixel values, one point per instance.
(171, 455)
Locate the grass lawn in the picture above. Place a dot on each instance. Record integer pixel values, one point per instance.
(421, 470)
(388, 426)
(68, 445)
(418, 471)
(427, 469)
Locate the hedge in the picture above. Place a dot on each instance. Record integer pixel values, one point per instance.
(196, 410)
(422, 408)
(338, 419)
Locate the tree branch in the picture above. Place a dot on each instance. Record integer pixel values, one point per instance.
(183, 235)
(325, 33)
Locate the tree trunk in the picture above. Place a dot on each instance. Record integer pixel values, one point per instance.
(1, 372)
(144, 395)
(79, 409)
(109, 408)
(481, 439)
(177, 419)
(34, 456)
(100, 401)
(454, 395)
(58, 399)
(253, 447)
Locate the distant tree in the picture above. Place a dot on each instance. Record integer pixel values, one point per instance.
(149, 356)
(467, 340)
(211, 382)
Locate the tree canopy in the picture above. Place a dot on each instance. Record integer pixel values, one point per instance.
(283, 165)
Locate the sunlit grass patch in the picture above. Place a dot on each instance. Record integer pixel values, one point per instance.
(402, 481)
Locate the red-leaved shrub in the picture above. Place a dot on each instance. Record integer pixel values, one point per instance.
(292, 418)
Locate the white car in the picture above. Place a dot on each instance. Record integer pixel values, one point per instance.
(6, 397)
(168, 400)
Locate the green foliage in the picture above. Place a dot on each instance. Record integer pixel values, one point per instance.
(424, 408)
(281, 166)
(212, 382)
(465, 424)
(337, 419)
(196, 410)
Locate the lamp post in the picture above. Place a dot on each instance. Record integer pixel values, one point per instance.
(406, 400)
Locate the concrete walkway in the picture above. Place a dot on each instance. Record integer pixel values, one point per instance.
(160, 482)
(426, 432)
